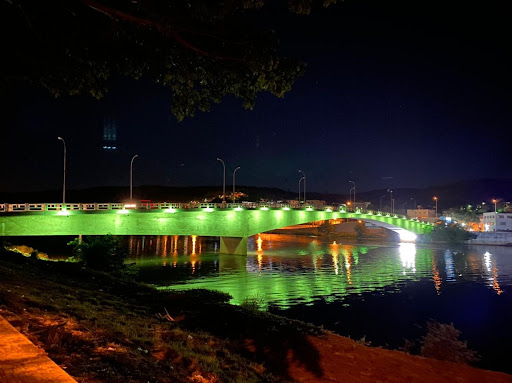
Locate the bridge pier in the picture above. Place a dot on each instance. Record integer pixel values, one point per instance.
(233, 245)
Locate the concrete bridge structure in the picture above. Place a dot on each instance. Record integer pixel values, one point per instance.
(233, 223)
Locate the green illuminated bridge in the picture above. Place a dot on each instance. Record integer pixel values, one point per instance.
(233, 223)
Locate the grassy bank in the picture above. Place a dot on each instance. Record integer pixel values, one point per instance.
(104, 329)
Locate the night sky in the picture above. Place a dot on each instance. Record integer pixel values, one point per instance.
(396, 94)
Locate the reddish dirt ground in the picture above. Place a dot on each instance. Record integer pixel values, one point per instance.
(344, 360)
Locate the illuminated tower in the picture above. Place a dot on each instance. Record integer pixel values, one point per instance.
(109, 134)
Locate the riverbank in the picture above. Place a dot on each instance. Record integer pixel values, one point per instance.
(104, 329)
(492, 238)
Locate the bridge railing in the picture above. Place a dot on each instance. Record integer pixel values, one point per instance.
(167, 206)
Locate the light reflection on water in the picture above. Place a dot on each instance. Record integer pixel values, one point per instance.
(286, 270)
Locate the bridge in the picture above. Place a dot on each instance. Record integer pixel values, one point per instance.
(233, 223)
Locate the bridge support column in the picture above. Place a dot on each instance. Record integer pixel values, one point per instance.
(233, 245)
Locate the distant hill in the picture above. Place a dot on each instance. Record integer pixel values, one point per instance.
(450, 195)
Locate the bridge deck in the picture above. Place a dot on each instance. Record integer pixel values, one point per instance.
(214, 220)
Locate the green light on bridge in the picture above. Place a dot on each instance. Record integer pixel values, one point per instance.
(264, 208)
(208, 209)
(63, 212)
(238, 208)
(286, 208)
(123, 211)
(170, 210)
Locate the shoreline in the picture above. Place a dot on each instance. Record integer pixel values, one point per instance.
(105, 329)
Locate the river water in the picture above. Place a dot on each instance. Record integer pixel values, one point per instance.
(384, 293)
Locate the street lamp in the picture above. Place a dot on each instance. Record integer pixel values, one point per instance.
(415, 206)
(64, 177)
(392, 204)
(353, 188)
(300, 171)
(300, 181)
(435, 199)
(131, 176)
(234, 171)
(494, 201)
(223, 181)
(380, 201)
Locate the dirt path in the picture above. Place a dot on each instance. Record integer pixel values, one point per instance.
(22, 362)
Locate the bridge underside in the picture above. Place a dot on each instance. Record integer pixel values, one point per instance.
(232, 225)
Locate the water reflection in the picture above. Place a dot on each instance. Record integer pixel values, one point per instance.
(287, 270)
(407, 253)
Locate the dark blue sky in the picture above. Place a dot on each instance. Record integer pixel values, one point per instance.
(396, 94)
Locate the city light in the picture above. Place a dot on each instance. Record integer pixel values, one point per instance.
(170, 210)
(123, 211)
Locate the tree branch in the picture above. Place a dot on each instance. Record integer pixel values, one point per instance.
(116, 14)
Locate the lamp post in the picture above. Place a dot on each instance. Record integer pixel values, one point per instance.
(380, 201)
(435, 199)
(131, 176)
(392, 207)
(234, 171)
(305, 200)
(415, 206)
(494, 201)
(64, 176)
(299, 187)
(223, 181)
(353, 188)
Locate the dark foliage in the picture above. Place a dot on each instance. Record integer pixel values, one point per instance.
(200, 50)
(360, 230)
(442, 342)
(326, 229)
(450, 233)
(104, 253)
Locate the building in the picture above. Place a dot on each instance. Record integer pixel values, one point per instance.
(423, 214)
(361, 205)
(110, 134)
(497, 221)
(316, 203)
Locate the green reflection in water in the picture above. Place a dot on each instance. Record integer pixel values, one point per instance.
(285, 270)
(303, 271)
